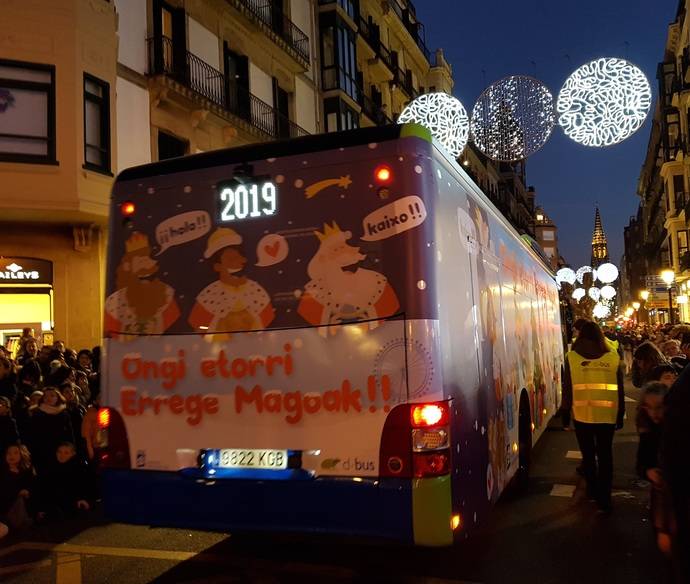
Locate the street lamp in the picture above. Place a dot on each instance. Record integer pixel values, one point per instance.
(668, 276)
(644, 295)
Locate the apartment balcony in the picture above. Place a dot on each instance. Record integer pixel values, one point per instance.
(403, 80)
(213, 90)
(379, 56)
(373, 111)
(413, 27)
(278, 27)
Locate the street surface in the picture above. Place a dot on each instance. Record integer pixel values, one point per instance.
(551, 535)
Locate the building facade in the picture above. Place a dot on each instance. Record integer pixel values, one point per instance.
(374, 61)
(546, 235)
(656, 238)
(57, 158)
(600, 249)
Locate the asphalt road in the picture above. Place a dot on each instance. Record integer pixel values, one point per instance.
(550, 535)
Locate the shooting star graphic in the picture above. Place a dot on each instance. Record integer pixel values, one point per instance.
(314, 189)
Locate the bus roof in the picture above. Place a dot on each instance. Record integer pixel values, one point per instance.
(263, 150)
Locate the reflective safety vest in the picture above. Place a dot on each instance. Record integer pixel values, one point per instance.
(595, 387)
(612, 344)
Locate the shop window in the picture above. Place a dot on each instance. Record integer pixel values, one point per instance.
(27, 112)
(96, 124)
(171, 147)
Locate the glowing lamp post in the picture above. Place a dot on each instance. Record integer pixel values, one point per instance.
(668, 276)
(636, 307)
(644, 295)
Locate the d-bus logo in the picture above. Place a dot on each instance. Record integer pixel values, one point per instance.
(348, 464)
(16, 272)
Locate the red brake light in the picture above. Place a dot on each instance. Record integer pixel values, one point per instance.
(431, 465)
(103, 418)
(128, 208)
(383, 174)
(424, 415)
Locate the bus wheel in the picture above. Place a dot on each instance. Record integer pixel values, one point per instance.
(524, 444)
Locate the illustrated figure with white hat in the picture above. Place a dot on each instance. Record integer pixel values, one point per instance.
(233, 302)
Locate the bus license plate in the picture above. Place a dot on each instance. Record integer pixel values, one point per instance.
(242, 458)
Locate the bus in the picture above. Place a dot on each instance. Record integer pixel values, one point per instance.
(335, 334)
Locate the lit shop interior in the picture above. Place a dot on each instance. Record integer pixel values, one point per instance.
(26, 300)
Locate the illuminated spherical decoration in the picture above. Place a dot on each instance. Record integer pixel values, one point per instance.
(608, 292)
(513, 118)
(594, 293)
(604, 102)
(444, 116)
(607, 273)
(600, 311)
(565, 275)
(580, 274)
(578, 293)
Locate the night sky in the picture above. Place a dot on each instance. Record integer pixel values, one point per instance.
(485, 41)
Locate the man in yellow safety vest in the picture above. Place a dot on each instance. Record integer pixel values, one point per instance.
(593, 393)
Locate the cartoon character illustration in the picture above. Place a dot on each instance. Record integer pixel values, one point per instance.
(233, 302)
(141, 303)
(334, 294)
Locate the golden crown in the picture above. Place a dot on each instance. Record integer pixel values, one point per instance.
(136, 242)
(328, 231)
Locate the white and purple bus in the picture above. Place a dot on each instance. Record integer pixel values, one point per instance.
(337, 333)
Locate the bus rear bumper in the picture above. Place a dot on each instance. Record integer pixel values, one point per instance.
(341, 506)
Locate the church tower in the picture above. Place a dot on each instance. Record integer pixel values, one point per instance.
(600, 251)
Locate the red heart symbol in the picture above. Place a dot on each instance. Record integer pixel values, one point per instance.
(272, 250)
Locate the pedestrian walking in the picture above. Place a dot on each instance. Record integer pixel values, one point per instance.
(593, 393)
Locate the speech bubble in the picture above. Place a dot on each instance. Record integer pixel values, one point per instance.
(272, 249)
(394, 218)
(182, 228)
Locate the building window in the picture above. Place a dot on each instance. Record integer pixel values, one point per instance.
(96, 124)
(682, 243)
(339, 59)
(171, 147)
(339, 115)
(548, 235)
(27, 112)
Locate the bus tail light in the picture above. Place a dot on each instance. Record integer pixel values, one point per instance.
(128, 208)
(112, 444)
(415, 441)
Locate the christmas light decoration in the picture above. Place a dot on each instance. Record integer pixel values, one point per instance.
(580, 274)
(608, 292)
(579, 293)
(594, 293)
(565, 275)
(513, 118)
(600, 311)
(603, 102)
(607, 273)
(444, 116)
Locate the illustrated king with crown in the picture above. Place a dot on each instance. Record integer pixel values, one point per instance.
(335, 295)
(142, 303)
(233, 302)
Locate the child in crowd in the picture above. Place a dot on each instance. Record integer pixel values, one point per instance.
(50, 426)
(66, 486)
(17, 482)
(666, 374)
(649, 427)
(8, 427)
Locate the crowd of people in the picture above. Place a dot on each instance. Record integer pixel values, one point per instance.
(656, 358)
(48, 424)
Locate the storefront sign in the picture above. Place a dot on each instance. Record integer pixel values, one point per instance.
(17, 270)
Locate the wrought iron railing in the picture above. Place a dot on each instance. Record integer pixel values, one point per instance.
(373, 111)
(214, 86)
(374, 41)
(412, 27)
(276, 21)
